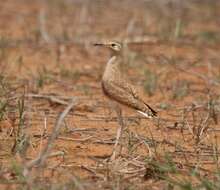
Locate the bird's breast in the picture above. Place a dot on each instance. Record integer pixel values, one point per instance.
(112, 72)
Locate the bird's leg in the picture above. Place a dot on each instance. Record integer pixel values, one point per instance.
(118, 134)
(110, 111)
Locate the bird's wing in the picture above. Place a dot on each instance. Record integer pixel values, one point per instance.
(126, 94)
(128, 88)
(119, 92)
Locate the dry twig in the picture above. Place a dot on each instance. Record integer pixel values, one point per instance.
(46, 150)
(48, 97)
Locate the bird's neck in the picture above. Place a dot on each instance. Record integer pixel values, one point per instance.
(115, 61)
(113, 68)
(115, 53)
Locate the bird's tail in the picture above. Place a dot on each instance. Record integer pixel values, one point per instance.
(149, 112)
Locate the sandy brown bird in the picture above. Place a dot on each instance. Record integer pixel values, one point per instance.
(116, 87)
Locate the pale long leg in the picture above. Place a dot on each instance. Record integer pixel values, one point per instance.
(117, 152)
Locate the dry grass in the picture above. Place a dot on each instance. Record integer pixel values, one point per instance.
(46, 60)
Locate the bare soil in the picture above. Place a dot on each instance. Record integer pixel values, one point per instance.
(47, 58)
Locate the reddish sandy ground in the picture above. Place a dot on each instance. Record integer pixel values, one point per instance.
(171, 51)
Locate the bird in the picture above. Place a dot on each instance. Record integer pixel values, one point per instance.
(116, 87)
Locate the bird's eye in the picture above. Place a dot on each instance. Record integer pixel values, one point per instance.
(113, 45)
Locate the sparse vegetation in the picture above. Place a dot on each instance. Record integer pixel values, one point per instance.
(21, 141)
(43, 77)
(150, 82)
(46, 60)
(209, 36)
(180, 89)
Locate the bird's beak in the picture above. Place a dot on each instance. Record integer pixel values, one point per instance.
(106, 44)
(98, 44)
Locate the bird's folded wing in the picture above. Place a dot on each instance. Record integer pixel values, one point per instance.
(124, 94)
(127, 94)
(128, 88)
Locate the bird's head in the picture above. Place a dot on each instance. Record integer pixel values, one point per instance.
(113, 45)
